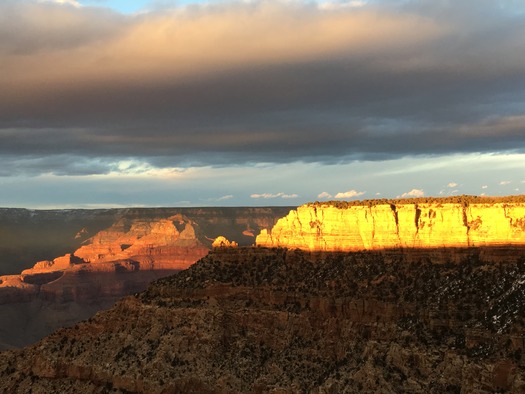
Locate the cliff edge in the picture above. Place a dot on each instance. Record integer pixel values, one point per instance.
(395, 225)
(257, 320)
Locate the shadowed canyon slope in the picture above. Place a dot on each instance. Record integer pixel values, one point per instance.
(394, 225)
(263, 320)
(136, 247)
(28, 236)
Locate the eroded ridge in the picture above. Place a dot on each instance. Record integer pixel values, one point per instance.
(268, 320)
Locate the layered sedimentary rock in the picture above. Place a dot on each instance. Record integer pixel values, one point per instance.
(223, 242)
(138, 246)
(130, 245)
(402, 225)
(257, 320)
(27, 236)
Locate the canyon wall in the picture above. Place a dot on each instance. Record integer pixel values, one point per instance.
(135, 247)
(28, 236)
(257, 320)
(326, 227)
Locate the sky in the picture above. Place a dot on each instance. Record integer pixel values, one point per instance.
(110, 103)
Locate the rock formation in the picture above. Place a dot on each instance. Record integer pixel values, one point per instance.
(250, 320)
(27, 236)
(362, 308)
(223, 242)
(398, 225)
(136, 247)
(128, 245)
(136, 244)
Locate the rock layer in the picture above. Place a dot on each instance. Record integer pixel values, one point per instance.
(256, 320)
(27, 236)
(402, 225)
(138, 246)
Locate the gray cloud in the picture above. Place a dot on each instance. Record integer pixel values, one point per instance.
(259, 82)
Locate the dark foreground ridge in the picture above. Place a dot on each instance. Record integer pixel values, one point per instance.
(278, 320)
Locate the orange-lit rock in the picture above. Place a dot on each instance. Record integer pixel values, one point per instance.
(130, 245)
(386, 226)
(133, 244)
(222, 242)
(127, 249)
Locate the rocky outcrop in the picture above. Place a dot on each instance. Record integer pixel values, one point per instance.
(137, 244)
(398, 225)
(223, 242)
(127, 246)
(248, 320)
(136, 247)
(27, 236)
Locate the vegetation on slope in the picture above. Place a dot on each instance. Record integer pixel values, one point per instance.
(263, 320)
(464, 200)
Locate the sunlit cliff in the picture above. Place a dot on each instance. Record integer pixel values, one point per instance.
(391, 225)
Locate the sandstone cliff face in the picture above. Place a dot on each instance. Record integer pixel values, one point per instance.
(134, 247)
(391, 226)
(118, 261)
(258, 320)
(130, 245)
(149, 243)
(27, 236)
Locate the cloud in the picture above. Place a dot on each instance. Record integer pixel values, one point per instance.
(276, 195)
(227, 197)
(484, 186)
(349, 194)
(324, 195)
(333, 5)
(235, 83)
(504, 183)
(413, 193)
(69, 2)
(223, 198)
(452, 184)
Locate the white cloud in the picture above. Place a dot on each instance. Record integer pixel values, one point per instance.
(414, 193)
(484, 186)
(227, 197)
(70, 2)
(335, 5)
(349, 194)
(324, 195)
(218, 199)
(276, 195)
(452, 184)
(503, 183)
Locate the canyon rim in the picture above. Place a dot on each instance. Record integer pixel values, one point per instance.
(309, 311)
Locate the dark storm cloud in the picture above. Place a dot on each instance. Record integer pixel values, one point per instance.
(260, 82)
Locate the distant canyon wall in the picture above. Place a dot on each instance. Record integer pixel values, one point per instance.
(135, 247)
(326, 227)
(28, 236)
(137, 240)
